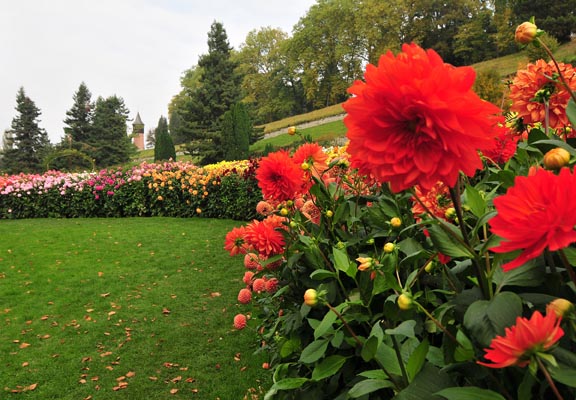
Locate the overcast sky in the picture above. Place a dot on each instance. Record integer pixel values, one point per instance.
(136, 49)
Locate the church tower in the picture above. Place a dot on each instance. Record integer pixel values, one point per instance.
(138, 132)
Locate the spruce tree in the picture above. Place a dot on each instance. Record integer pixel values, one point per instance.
(109, 143)
(236, 132)
(30, 143)
(79, 117)
(164, 146)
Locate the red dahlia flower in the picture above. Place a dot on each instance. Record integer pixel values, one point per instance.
(538, 212)
(265, 238)
(244, 296)
(521, 341)
(534, 84)
(416, 121)
(278, 177)
(235, 242)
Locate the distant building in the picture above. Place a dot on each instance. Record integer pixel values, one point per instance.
(138, 132)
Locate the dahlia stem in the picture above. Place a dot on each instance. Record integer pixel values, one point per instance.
(549, 378)
(400, 360)
(562, 79)
(482, 281)
(567, 265)
(341, 318)
(438, 324)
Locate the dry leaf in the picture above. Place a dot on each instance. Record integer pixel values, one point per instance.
(165, 311)
(105, 295)
(176, 380)
(130, 374)
(215, 294)
(153, 378)
(173, 391)
(25, 364)
(24, 345)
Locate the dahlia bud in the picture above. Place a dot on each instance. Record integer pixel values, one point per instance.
(429, 267)
(560, 307)
(389, 247)
(284, 211)
(450, 213)
(365, 263)
(405, 301)
(525, 33)
(305, 166)
(556, 158)
(311, 297)
(329, 213)
(396, 222)
(292, 130)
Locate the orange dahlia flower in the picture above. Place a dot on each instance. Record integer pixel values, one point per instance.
(312, 154)
(521, 341)
(416, 120)
(278, 177)
(538, 212)
(265, 238)
(234, 242)
(535, 82)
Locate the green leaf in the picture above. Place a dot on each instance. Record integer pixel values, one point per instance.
(571, 112)
(289, 347)
(373, 374)
(369, 348)
(325, 325)
(289, 383)
(450, 244)
(475, 201)
(416, 360)
(485, 319)
(465, 352)
(469, 393)
(368, 386)
(406, 328)
(342, 262)
(549, 144)
(564, 375)
(506, 177)
(314, 351)
(570, 254)
(528, 275)
(430, 379)
(321, 274)
(328, 367)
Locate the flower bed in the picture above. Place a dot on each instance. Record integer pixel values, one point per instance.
(434, 258)
(224, 190)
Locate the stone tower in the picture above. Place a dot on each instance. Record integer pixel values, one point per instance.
(138, 132)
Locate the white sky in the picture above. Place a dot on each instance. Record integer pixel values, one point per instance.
(136, 49)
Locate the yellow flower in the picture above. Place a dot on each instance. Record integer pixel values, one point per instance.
(292, 130)
(389, 247)
(396, 222)
(405, 301)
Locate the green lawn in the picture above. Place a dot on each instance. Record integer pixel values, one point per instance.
(122, 309)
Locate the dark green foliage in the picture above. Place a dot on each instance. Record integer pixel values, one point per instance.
(29, 142)
(164, 147)
(109, 144)
(177, 128)
(557, 18)
(236, 132)
(79, 117)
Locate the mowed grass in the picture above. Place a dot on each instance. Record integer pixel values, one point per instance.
(123, 309)
(324, 133)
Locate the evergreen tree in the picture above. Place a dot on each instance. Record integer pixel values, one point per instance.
(177, 128)
(109, 143)
(164, 146)
(79, 117)
(150, 138)
(30, 142)
(236, 131)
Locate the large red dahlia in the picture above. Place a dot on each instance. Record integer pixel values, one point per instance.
(416, 120)
(538, 212)
(278, 177)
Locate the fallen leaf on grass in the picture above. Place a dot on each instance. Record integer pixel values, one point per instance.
(153, 378)
(24, 345)
(165, 311)
(173, 391)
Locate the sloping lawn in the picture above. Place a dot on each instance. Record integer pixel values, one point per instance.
(122, 309)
